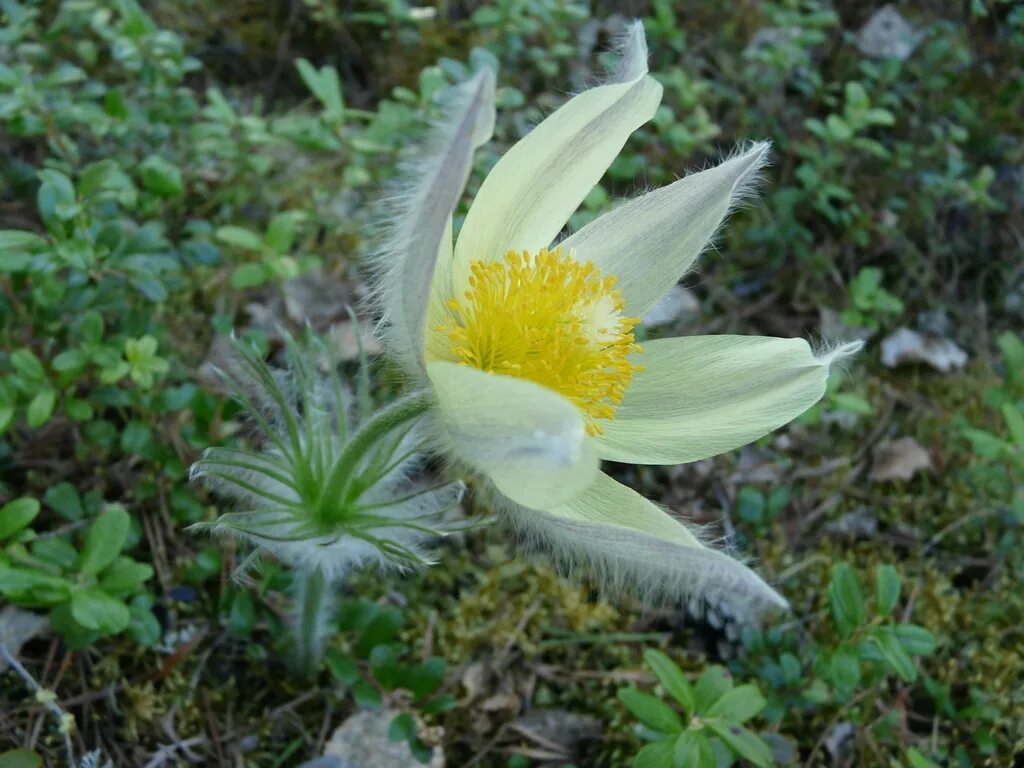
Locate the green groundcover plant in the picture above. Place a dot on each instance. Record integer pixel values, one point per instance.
(179, 507)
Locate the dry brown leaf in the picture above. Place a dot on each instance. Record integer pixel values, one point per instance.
(17, 627)
(900, 460)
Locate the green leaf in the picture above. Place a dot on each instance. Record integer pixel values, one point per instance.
(63, 499)
(218, 107)
(95, 175)
(693, 750)
(145, 628)
(741, 741)
(243, 615)
(751, 504)
(55, 200)
(74, 634)
(1014, 419)
(424, 678)
(671, 677)
(124, 576)
(655, 755)
(791, 669)
(402, 728)
(739, 704)
(161, 177)
(878, 116)
(25, 362)
(136, 437)
(916, 640)
(17, 514)
(343, 667)
(384, 666)
(240, 237)
(651, 711)
(56, 552)
(713, 683)
(149, 286)
(1012, 348)
(281, 231)
(32, 586)
(105, 540)
(916, 759)
(382, 628)
(443, 703)
(91, 327)
(846, 600)
(366, 696)
(894, 654)
(95, 609)
(309, 74)
(986, 444)
(847, 402)
(20, 758)
(40, 408)
(249, 276)
(838, 128)
(326, 86)
(845, 668)
(14, 262)
(856, 96)
(19, 240)
(887, 588)
(70, 361)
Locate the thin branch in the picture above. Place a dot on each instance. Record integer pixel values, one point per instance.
(64, 719)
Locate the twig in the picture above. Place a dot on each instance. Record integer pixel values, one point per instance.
(480, 755)
(161, 756)
(980, 514)
(832, 723)
(65, 721)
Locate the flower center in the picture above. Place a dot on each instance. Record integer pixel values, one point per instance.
(549, 319)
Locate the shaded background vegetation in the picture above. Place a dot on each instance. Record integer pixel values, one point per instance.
(167, 175)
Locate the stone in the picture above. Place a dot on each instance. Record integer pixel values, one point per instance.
(362, 742)
(887, 35)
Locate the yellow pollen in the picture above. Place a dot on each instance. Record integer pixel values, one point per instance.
(552, 320)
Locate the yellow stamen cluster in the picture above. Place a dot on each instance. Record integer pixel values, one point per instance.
(552, 320)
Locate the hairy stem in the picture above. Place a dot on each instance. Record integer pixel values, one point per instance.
(312, 611)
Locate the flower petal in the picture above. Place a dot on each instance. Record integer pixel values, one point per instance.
(437, 345)
(530, 441)
(703, 395)
(633, 543)
(422, 219)
(529, 195)
(650, 242)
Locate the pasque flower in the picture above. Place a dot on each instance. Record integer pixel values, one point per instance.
(526, 340)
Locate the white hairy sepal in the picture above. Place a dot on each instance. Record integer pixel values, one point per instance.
(415, 219)
(656, 571)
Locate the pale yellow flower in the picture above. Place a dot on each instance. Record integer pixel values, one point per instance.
(527, 340)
